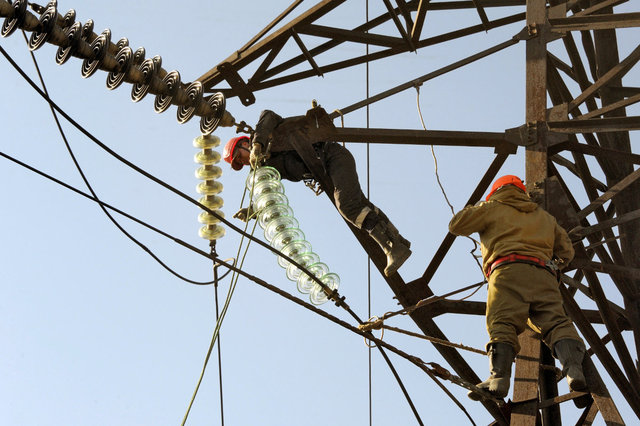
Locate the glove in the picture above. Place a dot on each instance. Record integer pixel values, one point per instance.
(256, 156)
(245, 214)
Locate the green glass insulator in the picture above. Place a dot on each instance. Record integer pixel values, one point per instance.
(279, 224)
(318, 295)
(307, 259)
(263, 173)
(285, 237)
(294, 250)
(269, 199)
(267, 187)
(273, 211)
(305, 282)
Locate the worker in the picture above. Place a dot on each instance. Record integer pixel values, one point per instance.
(339, 165)
(518, 242)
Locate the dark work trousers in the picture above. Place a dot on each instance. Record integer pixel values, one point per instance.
(340, 165)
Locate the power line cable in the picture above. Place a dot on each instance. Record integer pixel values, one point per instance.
(237, 271)
(334, 295)
(340, 301)
(89, 186)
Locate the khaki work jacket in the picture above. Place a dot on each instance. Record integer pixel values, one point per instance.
(510, 223)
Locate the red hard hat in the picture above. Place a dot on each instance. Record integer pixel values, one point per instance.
(229, 149)
(506, 180)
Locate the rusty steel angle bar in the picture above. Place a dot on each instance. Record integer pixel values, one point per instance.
(607, 224)
(398, 24)
(596, 125)
(595, 22)
(240, 59)
(575, 146)
(612, 192)
(269, 27)
(616, 72)
(305, 52)
(420, 80)
(424, 137)
(600, 351)
(371, 57)
(612, 327)
(350, 35)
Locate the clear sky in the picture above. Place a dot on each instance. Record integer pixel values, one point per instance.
(96, 332)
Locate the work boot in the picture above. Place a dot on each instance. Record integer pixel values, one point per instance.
(393, 245)
(570, 353)
(392, 229)
(501, 356)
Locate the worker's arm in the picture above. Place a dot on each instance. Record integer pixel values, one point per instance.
(468, 220)
(267, 122)
(562, 247)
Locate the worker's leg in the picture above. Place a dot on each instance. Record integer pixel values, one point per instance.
(507, 311)
(359, 211)
(558, 332)
(350, 201)
(506, 316)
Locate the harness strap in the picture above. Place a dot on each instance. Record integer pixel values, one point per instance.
(519, 258)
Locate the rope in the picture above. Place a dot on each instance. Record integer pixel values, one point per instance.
(444, 193)
(429, 300)
(432, 339)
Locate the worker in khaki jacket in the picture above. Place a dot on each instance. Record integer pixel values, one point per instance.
(519, 240)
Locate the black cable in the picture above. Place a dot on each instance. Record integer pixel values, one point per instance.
(231, 268)
(90, 188)
(120, 212)
(340, 301)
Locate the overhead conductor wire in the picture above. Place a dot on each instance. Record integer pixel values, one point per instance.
(236, 270)
(339, 301)
(90, 188)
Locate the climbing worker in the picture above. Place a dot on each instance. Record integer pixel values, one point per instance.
(340, 166)
(518, 242)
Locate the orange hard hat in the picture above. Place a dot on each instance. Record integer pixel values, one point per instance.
(229, 150)
(507, 180)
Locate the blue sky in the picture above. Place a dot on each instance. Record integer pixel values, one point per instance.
(97, 332)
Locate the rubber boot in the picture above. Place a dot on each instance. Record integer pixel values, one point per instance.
(392, 229)
(570, 353)
(392, 244)
(501, 356)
